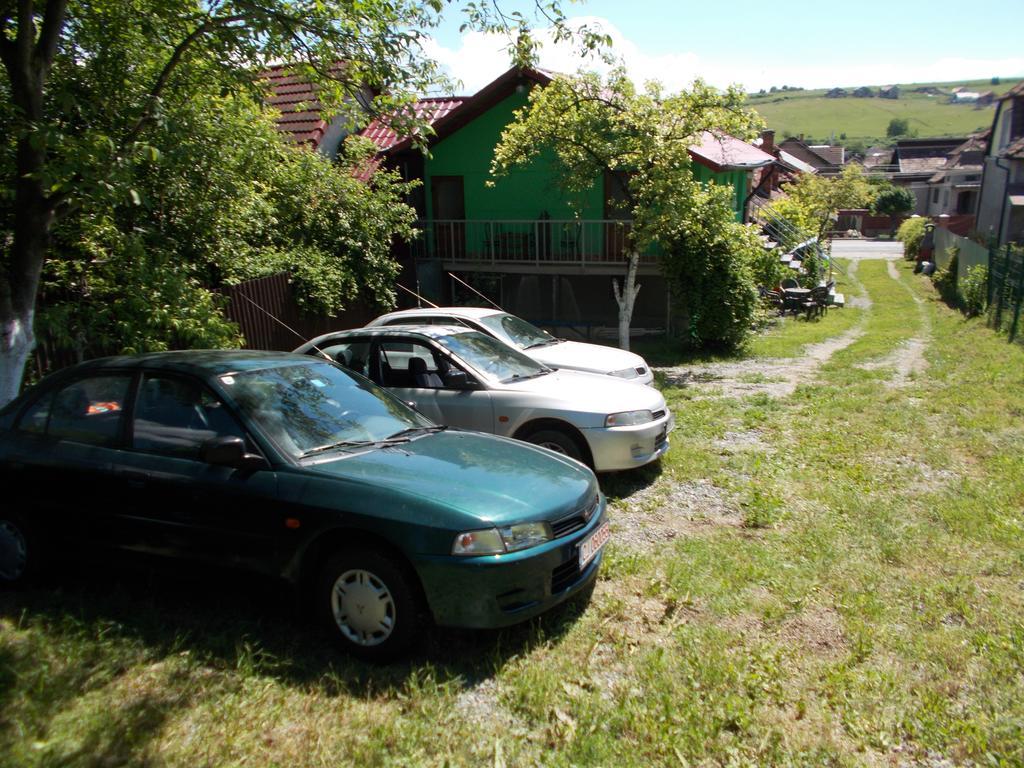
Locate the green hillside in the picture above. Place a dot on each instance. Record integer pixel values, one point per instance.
(864, 120)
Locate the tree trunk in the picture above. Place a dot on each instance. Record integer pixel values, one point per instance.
(18, 289)
(625, 297)
(16, 343)
(27, 58)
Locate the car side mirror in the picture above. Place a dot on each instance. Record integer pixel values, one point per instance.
(458, 380)
(229, 451)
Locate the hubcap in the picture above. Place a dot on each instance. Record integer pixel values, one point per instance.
(363, 607)
(13, 551)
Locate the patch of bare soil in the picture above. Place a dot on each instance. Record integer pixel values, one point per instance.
(738, 442)
(907, 362)
(774, 377)
(818, 630)
(662, 512)
(480, 703)
(924, 477)
(635, 620)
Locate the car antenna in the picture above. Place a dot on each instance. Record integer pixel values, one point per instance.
(407, 290)
(474, 290)
(281, 322)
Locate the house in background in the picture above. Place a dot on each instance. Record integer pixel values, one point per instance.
(302, 119)
(1001, 206)
(953, 189)
(878, 160)
(916, 161)
(519, 240)
(824, 159)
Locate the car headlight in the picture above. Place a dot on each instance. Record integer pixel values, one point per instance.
(628, 418)
(625, 373)
(525, 535)
(497, 541)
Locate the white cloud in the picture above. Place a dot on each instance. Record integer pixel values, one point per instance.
(480, 58)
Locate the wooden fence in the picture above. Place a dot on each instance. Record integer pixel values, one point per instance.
(265, 306)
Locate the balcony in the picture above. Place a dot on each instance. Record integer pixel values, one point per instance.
(545, 245)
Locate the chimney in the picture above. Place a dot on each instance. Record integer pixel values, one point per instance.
(768, 141)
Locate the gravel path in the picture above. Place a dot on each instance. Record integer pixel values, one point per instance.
(666, 509)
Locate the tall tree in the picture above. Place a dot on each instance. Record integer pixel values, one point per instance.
(812, 201)
(64, 154)
(639, 139)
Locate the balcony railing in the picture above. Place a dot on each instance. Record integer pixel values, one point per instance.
(552, 242)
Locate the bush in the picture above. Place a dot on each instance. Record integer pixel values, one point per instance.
(945, 279)
(898, 126)
(893, 201)
(974, 290)
(911, 233)
(714, 293)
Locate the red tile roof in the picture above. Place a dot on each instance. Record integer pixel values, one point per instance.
(725, 153)
(430, 110)
(294, 96)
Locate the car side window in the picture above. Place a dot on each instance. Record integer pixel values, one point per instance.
(175, 416)
(89, 410)
(407, 364)
(34, 419)
(354, 355)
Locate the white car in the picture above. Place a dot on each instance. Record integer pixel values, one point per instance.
(464, 378)
(530, 340)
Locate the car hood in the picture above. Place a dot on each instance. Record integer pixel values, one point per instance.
(493, 479)
(585, 357)
(589, 392)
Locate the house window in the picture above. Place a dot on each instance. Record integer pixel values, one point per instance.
(935, 195)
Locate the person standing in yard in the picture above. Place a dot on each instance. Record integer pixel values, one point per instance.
(927, 249)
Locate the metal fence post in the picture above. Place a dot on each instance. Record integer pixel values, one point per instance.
(1019, 297)
(989, 282)
(1004, 268)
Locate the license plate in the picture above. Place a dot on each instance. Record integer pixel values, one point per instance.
(591, 545)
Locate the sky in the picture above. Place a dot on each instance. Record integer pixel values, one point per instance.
(761, 44)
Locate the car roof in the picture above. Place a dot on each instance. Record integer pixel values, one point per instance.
(474, 313)
(410, 328)
(204, 362)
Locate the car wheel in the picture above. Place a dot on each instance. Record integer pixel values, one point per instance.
(17, 551)
(370, 604)
(557, 441)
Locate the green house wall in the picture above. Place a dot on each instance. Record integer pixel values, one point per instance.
(526, 193)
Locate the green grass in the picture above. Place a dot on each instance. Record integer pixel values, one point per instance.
(866, 610)
(864, 120)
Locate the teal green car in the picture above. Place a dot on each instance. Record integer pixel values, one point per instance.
(295, 467)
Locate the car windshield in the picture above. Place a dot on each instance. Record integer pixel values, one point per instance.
(491, 357)
(313, 407)
(517, 331)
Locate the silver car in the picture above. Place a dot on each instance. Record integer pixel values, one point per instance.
(530, 340)
(464, 378)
